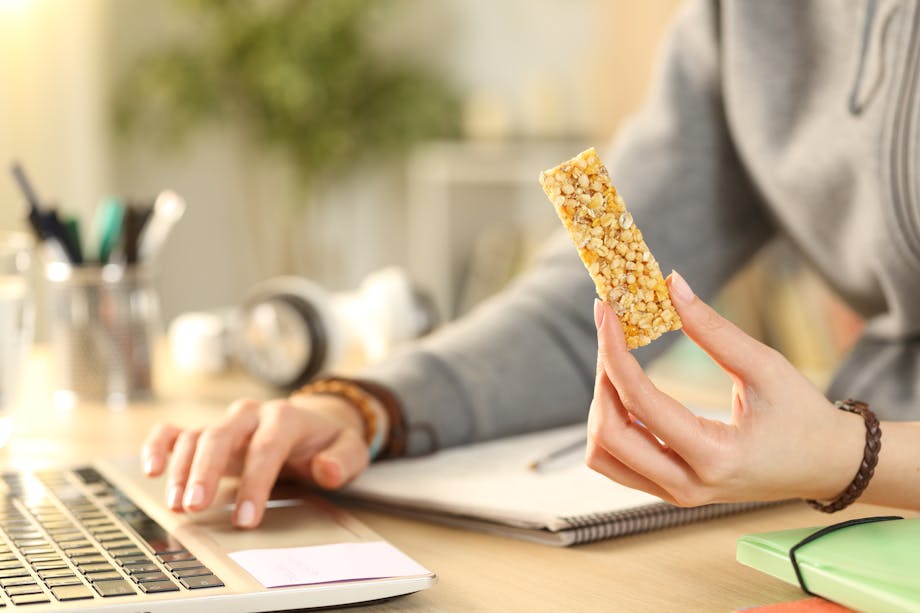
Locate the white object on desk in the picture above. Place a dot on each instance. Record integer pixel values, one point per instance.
(327, 563)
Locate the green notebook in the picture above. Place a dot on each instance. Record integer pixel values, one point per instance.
(868, 567)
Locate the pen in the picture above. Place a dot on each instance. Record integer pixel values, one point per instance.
(42, 224)
(59, 231)
(167, 210)
(543, 462)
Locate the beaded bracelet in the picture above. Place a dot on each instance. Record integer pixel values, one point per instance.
(869, 461)
(361, 400)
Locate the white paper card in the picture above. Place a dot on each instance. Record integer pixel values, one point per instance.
(326, 563)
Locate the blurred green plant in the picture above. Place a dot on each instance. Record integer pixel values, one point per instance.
(298, 75)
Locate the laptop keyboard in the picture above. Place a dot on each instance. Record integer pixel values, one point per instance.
(72, 535)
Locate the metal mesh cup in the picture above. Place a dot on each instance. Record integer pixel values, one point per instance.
(102, 323)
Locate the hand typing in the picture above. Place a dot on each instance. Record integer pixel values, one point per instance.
(315, 438)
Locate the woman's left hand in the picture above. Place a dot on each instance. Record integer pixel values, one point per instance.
(785, 440)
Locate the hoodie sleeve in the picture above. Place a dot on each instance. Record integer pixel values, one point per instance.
(525, 359)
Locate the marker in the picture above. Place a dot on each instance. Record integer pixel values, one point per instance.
(109, 222)
(135, 218)
(72, 228)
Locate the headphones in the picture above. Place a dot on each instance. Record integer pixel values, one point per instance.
(289, 329)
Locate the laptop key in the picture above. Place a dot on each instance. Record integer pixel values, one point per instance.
(195, 583)
(26, 588)
(193, 563)
(49, 565)
(71, 592)
(90, 559)
(16, 581)
(95, 568)
(103, 576)
(118, 587)
(176, 556)
(38, 558)
(131, 552)
(141, 568)
(57, 581)
(13, 572)
(129, 561)
(149, 577)
(29, 599)
(156, 587)
(191, 572)
(51, 574)
(10, 564)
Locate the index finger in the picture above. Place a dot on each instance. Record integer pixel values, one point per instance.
(269, 447)
(669, 420)
(216, 447)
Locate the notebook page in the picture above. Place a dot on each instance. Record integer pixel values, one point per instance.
(493, 480)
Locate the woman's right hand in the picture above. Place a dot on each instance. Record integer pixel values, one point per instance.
(316, 438)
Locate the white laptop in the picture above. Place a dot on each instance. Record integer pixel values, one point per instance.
(99, 538)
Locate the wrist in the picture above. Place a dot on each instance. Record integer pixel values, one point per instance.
(842, 456)
(868, 461)
(356, 406)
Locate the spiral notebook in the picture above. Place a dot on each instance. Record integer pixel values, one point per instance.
(491, 486)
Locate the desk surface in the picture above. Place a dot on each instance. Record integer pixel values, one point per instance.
(691, 568)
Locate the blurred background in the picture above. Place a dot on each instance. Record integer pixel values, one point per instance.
(329, 138)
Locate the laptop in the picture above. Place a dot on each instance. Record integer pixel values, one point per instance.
(99, 538)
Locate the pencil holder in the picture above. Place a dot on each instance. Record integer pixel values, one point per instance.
(103, 322)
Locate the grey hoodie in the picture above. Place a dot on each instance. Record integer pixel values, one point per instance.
(781, 116)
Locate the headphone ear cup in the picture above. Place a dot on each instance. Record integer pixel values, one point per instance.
(305, 363)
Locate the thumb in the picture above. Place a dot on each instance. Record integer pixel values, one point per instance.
(341, 461)
(735, 351)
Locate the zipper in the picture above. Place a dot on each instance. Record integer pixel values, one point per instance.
(906, 211)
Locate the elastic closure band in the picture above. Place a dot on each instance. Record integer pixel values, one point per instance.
(824, 532)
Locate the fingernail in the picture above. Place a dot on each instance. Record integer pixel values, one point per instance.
(598, 313)
(174, 496)
(194, 496)
(245, 514)
(333, 472)
(150, 464)
(679, 288)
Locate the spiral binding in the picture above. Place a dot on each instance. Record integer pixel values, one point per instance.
(599, 526)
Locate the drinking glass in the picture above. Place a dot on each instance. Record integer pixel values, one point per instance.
(17, 322)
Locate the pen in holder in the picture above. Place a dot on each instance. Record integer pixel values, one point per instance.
(103, 309)
(103, 321)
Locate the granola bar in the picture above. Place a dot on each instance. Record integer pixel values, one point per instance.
(611, 246)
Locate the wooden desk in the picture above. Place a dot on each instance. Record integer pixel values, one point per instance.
(690, 568)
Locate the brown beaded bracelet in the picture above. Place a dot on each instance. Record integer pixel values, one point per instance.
(396, 443)
(869, 461)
